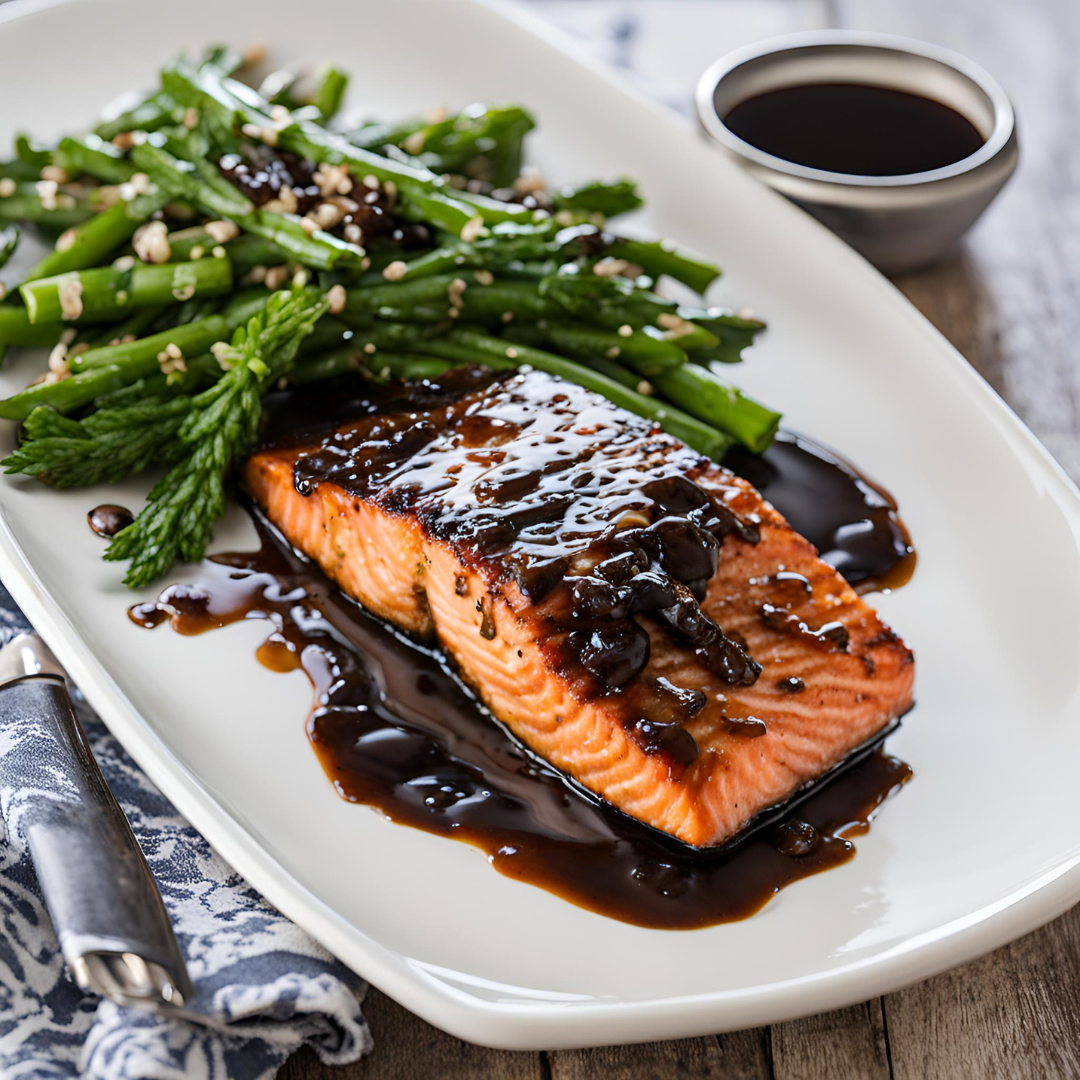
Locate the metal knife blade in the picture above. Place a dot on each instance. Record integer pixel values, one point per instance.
(114, 931)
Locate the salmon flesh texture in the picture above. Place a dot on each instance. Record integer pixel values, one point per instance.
(633, 612)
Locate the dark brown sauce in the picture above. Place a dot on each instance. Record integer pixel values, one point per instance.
(852, 521)
(855, 128)
(394, 728)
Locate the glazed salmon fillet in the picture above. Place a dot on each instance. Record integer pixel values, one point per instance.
(633, 612)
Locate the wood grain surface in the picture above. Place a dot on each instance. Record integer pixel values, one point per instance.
(1010, 302)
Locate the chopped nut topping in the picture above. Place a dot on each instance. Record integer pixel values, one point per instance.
(395, 271)
(610, 267)
(613, 352)
(529, 182)
(626, 330)
(7, 187)
(309, 224)
(369, 348)
(436, 115)
(221, 232)
(125, 262)
(56, 174)
(151, 242)
(46, 190)
(191, 118)
(66, 239)
(512, 353)
(124, 141)
(254, 54)
(218, 251)
(276, 277)
(646, 388)
(414, 143)
(675, 326)
(337, 297)
(333, 180)
(473, 229)
(71, 305)
(484, 277)
(58, 359)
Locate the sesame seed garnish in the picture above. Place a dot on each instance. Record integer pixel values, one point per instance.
(484, 277)
(69, 335)
(185, 292)
(218, 251)
(174, 351)
(414, 143)
(125, 262)
(140, 183)
(70, 292)
(646, 388)
(191, 118)
(369, 348)
(675, 325)
(309, 225)
(197, 252)
(473, 229)
(365, 263)
(280, 115)
(7, 187)
(507, 316)
(221, 232)
(337, 297)
(151, 242)
(122, 297)
(77, 350)
(300, 278)
(124, 141)
(626, 330)
(371, 181)
(511, 353)
(353, 233)
(436, 115)
(395, 271)
(56, 174)
(613, 352)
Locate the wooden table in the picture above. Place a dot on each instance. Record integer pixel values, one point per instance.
(1010, 302)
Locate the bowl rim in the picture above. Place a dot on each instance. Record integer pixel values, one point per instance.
(1004, 117)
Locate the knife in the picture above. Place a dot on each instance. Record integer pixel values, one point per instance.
(114, 931)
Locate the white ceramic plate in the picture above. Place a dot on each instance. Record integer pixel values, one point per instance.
(981, 846)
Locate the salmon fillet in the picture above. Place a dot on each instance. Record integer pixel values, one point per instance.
(633, 612)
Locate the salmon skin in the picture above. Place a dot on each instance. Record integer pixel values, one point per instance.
(633, 612)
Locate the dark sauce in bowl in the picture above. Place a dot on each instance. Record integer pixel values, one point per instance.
(395, 728)
(854, 128)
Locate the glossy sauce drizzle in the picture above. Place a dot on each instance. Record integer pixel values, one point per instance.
(396, 729)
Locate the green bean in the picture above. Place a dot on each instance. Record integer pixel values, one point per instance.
(648, 355)
(93, 156)
(658, 258)
(9, 241)
(137, 359)
(100, 236)
(713, 399)
(16, 329)
(182, 180)
(104, 294)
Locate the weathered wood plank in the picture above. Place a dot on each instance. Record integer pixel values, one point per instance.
(740, 1056)
(408, 1048)
(849, 1043)
(1010, 1016)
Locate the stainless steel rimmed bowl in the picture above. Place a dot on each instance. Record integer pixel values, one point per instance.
(901, 222)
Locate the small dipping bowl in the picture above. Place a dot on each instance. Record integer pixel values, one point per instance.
(899, 222)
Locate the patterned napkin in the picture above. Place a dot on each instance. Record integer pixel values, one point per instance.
(263, 987)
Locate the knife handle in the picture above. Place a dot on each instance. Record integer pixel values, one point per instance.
(113, 928)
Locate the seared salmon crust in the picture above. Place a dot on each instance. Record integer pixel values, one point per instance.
(635, 613)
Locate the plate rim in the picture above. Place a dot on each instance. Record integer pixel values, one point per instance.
(537, 1024)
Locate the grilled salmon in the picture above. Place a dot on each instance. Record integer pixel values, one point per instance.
(633, 612)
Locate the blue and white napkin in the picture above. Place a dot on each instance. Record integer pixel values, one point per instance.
(264, 987)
